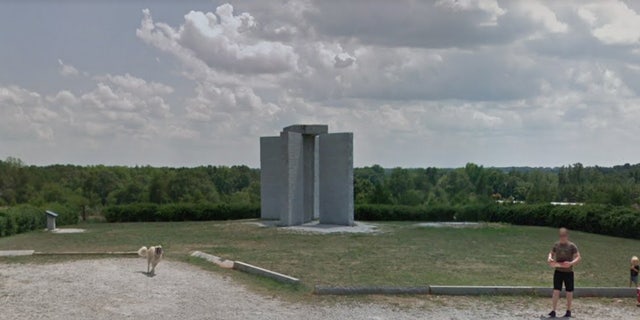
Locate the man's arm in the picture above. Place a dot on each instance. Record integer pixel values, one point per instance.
(576, 258)
(551, 259)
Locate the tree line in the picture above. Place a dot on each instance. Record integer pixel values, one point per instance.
(472, 184)
(96, 187)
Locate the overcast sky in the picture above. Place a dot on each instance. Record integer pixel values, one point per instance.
(419, 83)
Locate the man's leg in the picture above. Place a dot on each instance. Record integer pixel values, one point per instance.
(554, 298)
(569, 285)
(557, 286)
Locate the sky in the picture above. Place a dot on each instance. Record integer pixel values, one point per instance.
(419, 83)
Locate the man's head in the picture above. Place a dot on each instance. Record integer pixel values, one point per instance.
(564, 235)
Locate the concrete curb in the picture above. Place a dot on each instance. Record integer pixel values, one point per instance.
(605, 292)
(326, 290)
(108, 253)
(227, 264)
(245, 267)
(283, 278)
(483, 290)
(15, 253)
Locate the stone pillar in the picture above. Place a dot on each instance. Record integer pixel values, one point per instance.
(293, 177)
(272, 186)
(336, 178)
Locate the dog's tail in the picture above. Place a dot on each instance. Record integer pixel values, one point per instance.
(142, 252)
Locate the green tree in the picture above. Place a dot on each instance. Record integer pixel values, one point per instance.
(457, 186)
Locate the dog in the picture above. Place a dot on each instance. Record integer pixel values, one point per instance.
(153, 255)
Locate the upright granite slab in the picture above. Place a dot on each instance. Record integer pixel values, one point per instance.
(272, 186)
(293, 178)
(336, 184)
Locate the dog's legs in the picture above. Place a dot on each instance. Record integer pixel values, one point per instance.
(148, 265)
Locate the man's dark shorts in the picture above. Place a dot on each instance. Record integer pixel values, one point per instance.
(560, 277)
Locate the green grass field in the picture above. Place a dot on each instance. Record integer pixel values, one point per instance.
(402, 254)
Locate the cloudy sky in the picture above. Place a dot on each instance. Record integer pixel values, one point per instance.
(420, 83)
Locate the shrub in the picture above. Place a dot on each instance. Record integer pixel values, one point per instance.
(473, 213)
(136, 212)
(25, 218)
(11, 225)
(174, 212)
(20, 219)
(180, 212)
(532, 215)
(384, 212)
(3, 224)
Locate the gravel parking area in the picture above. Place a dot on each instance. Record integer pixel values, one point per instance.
(118, 289)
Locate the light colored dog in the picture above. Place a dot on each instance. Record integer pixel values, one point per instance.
(153, 255)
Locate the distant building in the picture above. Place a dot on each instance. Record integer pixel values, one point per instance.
(567, 203)
(508, 201)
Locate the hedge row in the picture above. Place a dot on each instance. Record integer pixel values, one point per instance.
(140, 212)
(25, 218)
(382, 212)
(601, 219)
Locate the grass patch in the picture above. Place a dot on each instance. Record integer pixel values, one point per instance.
(402, 255)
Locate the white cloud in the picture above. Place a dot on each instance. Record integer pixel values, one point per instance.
(118, 106)
(138, 86)
(181, 132)
(130, 105)
(23, 115)
(66, 69)
(63, 98)
(487, 120)
(343, 60)
(222, 40)
(540, 13)
(612, 22)
(491, 7)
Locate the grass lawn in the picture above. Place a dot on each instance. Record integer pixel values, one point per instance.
(402, 254)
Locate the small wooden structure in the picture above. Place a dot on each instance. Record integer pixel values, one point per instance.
(51, 220)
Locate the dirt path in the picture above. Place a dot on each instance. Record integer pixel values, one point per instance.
(116, 289)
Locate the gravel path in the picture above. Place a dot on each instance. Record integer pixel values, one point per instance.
(117, 289)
